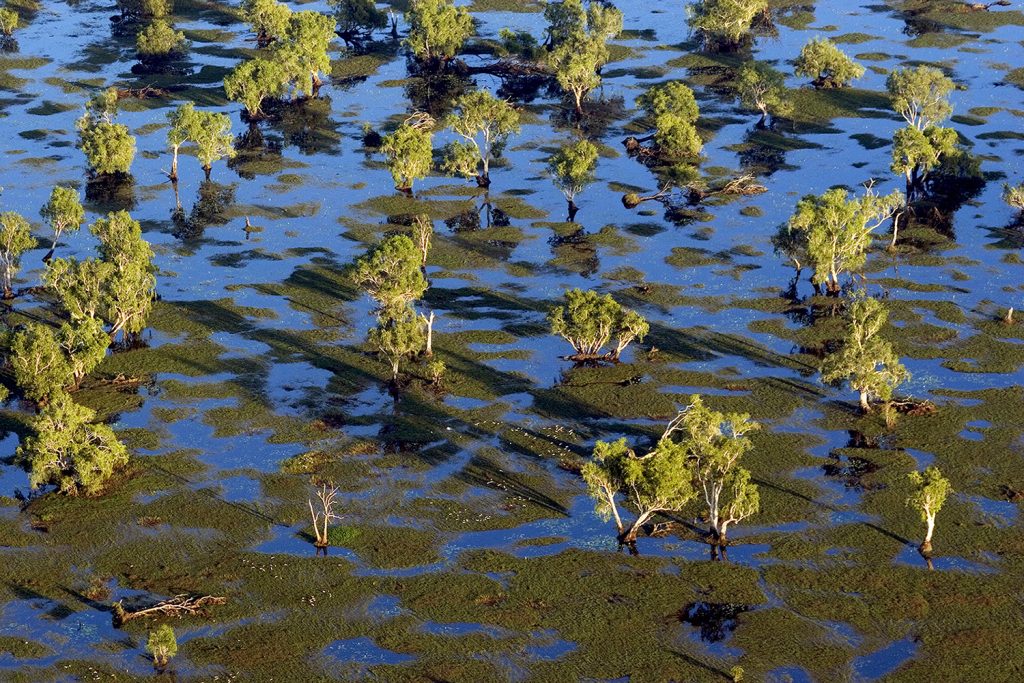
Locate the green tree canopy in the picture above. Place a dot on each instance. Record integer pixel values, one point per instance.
(929, 490)
(159, 41)
(920, 95)
(304, 50)
(63, 211)
(485, 123)
(714, 442)
(409, 154)
(390, 273)
(268, 19)
(866, 360)
(572, 168)
(127, 297)
(211, 133)
(162, 645)
(68, 451)
(256, 80)
(358, 18)
(917, 153)
(827, 65)
(41, 368)
(589, 321)
(761, 87)
(15, 239)
(673, 97)
(437, 29)
(399, 335)
(144, 10)
(725, 23)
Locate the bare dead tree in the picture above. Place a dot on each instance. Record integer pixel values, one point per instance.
(322, 517)
(178, 606)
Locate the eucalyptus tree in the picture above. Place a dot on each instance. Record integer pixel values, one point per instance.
(79, 286)
(47, 361)
(437, 30)
(178, 122)
(211, 134)
(399, 335)
(66, 449)
(580, 47)
(672, 110)
(920, 95)
(725, 24)
(916, 153)
(485, 123)
(63, 211)
(256, 80)
(390, 273)
(408, 152)
(304, 51)
(15, 239)
(159, 42)
(162, 645)
(127, 298)
(714, 442)
(268, 19)
(108, 147)
(590, 321)
(358, 19)
(929, 490)
(835, 231)
(9, 21)
(653, 483)
(866, 360)
(827, 65)
(144, 10)
(572, 169)
(761, 87)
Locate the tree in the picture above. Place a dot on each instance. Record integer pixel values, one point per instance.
(437, 29)
(211, 133)
(162, 645)
(178, 122)
(254, 81)
(268, 19)
(68, 451)
(143, 10)
(325, 515)
(725, 23)
(41, 369)
(761, 87)
(84, 343)
(589, 321)
(676, 138)
(15, 239)
(575, 63)
(422, 234)
(409, 154)
(837, 231)
(390, 273)
(304, 50)
(127, 297)
(357, 19)
(916, 153)
(108, 147)
(79, 285)
(8, 21)
(398, 335)
(654, 483)
(673, 97)
(714, 443)
(866, 360)
(485, 123)
(63, 211)
(920, 95)
(158, 42)
(929, 492)
(564, 19)
(572, 168)
(826, 64)
(1013, 195)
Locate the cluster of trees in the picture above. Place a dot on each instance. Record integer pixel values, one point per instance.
(210, 132)
(483, 122)
(577, 41)
(697, 456)
(99, 300)
(672, 109)
(293, 54)
(159, 43)
(392, 273)
(726, 24)
(590, 322)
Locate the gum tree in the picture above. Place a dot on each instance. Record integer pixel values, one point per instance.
(714, 443)
(268, 19)
(127, 297)
(211, 133)
(672, 109)
(79, 285)
(63, 211)
(178, 122)
(162, 645)
(654, 483)
(724, 24)
(358, 19)
(68, 451)
(437, 30)
(15, 239)
(916, 153)
(866, 360)
(589, 322)
(159, 42)
(408, 153)
(575, 63)
(108, 147)
(929, 490)
(254, 81)
(391, 273)
(835, 231)
(398, 336)
(304, 50)
(485, 123)
(920, 95)
(572, 169)
(827, 65)
(41, 370)
(761, 87)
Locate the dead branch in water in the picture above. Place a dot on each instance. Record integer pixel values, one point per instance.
(178, 606)
(141, 93)
(744, 185)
